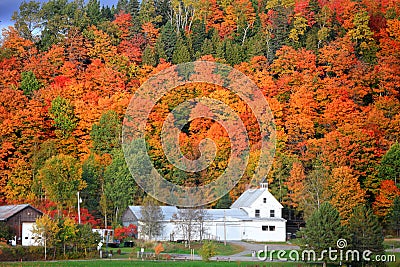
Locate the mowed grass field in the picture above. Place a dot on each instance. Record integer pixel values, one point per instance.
(135, 263)
(112, 263)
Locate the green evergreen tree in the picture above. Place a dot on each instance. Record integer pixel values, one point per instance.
(392, 220)
(93, 11)
(389, 169)
(149, 56)
(207, 48)
(218, 45)
(163, 7)
(93, 175)
(159, 49)
(147, 12)
(322, 231)
(181, 53)
(224, 202)
(29, 83)
(254, 46)
(199, 30)
(281, 31)
(122, 5)
(119, 185)
(133, 8)
(365, 232)
(233, 53)
(168, 41)
(107, 13)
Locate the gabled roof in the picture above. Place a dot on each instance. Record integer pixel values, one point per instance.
(250, 196)
(10, 210)
(167, 211)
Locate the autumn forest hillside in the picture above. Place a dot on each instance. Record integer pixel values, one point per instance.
(330, 71)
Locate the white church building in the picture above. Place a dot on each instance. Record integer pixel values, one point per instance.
(255, 216)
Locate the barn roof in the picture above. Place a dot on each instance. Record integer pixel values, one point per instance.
(167, 211)
(217, 214)
(10, 210)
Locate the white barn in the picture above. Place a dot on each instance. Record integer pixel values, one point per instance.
(255, 216)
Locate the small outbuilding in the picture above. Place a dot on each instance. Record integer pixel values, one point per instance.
(21, 219)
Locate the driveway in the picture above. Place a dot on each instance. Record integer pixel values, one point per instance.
(249, 248)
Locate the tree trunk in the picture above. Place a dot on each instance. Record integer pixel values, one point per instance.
(45, 249)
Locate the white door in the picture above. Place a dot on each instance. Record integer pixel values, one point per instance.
(28, 239)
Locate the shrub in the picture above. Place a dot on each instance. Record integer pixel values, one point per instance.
(208, 250)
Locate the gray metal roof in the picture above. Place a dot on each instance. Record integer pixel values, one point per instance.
(10, 210)
(216, 214)
(168, 211)
(248, 198)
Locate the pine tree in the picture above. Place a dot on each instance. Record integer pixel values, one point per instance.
(147, 13)
(106, 13)
(224, 202)
(133, 8)
(389, 169)
(163, 8)
(119, 185)
(392, 220)
(255, 46)
(323, 229)
(365, 232)
(207, 48)
(181, 53)
(199, 28)
(233, 53)
(93, 12)
(149, 56)
(168, 41)
(122, 5)
(160, 50)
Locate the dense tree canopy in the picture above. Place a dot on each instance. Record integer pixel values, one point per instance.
(330, 71)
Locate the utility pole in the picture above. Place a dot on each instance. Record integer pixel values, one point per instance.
(224, 229)
(79, 208)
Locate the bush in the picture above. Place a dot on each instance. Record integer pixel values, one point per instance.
(21, 253)
(208, 250)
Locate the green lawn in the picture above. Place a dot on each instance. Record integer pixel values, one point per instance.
(111, 263)
(391, 243)
(176, 248)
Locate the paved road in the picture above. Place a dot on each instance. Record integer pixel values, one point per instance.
(249, 248)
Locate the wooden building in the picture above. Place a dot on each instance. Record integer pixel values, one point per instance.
(21, 219)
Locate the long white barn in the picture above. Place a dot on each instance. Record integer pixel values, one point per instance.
(255, 216)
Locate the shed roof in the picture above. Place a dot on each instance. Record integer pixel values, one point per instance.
(10, 210)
